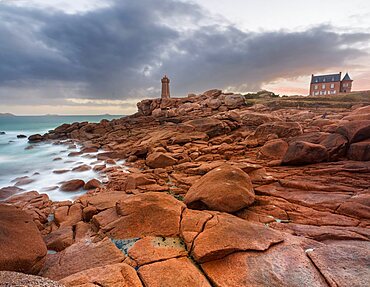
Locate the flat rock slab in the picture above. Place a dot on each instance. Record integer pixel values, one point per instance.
(225, 234)
(343, 264)
(116, 275)
(147, 214)
(81, 256)
(151, 249)
(19, 279)
(179, 272)
(282, 265)
(22, 248)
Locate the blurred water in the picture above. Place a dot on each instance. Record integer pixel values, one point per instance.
(18, 158)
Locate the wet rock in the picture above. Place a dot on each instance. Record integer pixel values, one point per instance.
(113, 275)
(92, 184)
(35, 138)
(225, 188)
(8, 191)
(180, 272)
(81, 256)
(21, 136)
(300, 153)
(72, 185)
(147, 214)
(82, 168)
(60, 171)
(159, 160)
(21, 246)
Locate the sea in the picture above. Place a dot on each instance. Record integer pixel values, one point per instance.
(35, 163)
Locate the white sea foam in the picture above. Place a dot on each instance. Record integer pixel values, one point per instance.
(39, 163)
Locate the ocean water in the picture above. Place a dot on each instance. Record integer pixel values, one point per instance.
(37, 161)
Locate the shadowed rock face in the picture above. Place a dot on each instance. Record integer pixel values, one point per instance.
(246, 220)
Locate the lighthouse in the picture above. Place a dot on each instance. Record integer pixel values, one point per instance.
(165, 88)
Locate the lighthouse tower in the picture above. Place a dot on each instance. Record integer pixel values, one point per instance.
(165, 88)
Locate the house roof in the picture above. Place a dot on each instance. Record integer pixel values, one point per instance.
(325, 78)
(347, 78)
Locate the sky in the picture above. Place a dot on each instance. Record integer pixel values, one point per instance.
(98, 57)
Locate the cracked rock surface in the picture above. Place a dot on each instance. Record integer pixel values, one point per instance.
(214, 191)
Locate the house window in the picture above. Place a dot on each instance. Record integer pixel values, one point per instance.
(316, 93)
(316, 87)
(332, 86)
(323, 86)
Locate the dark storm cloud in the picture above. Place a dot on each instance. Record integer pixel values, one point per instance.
(112, 52)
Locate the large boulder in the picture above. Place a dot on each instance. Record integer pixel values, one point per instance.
(81, 256)
(151, 213)
(280, 129)
(273, 149)
(359, 151)
(114, 275)
(179, 272)
(72, 185)
(234, 101)
(300, 153)
(354, 131)
(21, 246)
(160, 160)
(225, 188)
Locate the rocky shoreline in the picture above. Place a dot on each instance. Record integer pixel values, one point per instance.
(218, 189)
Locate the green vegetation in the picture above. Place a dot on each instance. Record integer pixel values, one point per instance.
(341, 101)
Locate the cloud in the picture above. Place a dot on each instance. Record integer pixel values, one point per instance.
(120, 52)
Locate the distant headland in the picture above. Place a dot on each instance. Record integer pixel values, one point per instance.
(7, 115)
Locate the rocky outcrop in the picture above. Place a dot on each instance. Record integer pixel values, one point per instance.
(216, 189)
(225, 188)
